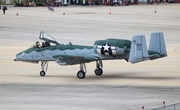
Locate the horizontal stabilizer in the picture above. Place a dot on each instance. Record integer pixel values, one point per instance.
(157, 48)
(138, 50)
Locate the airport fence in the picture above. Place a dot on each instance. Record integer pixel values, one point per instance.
(169, 107)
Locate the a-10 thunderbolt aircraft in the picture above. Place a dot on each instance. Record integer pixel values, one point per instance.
(109, 49)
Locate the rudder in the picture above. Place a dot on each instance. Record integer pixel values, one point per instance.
(157, 44)
(138, 50)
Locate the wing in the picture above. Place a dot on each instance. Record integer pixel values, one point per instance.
(72, 60)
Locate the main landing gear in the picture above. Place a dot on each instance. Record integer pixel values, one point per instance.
(44, 65)
(98, 71)
(82, 72)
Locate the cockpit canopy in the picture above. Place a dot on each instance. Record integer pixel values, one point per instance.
(47, 38)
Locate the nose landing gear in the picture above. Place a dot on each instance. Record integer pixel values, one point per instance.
(42, 73)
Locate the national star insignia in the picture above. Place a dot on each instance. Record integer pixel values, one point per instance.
(106, 47)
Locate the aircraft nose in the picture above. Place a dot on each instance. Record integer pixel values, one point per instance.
(18, 57)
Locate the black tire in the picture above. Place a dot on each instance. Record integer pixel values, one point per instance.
(81, 74)
(98, 71)
(42, 73)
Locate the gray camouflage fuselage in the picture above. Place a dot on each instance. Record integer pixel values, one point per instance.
(54, 53)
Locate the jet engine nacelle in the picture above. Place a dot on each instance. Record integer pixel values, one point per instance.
(113, 47)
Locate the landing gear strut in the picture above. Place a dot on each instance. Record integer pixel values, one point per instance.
(98, 71)
(44, 65)
(82, 73)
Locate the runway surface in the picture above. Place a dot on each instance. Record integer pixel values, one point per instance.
(123, 86)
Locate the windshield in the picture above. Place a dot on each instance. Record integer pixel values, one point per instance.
(36, 45)
(46, 37)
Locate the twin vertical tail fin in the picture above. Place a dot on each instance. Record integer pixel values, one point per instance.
(157, 47)
(139, 52)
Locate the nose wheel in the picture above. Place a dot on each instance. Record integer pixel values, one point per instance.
(42, 73)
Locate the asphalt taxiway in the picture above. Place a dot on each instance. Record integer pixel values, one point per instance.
(123, 86)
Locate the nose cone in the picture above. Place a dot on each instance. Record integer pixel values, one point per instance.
(19, 56)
